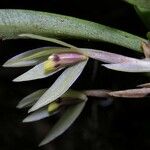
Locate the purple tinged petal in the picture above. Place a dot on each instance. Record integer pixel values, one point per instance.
(138, 66)
(106, 57)
(131, 93)
(145, 85)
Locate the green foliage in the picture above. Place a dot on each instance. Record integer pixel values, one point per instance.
(144, 14)
(16, 22)
(142, 8)
(140, 3)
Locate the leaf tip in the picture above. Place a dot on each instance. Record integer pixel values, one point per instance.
(19, 106)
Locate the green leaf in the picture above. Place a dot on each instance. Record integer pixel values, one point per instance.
(16, 22)
(35, 73)
(31, 99)
(33, 57)
(60, 86)
(138, 66)
(140, 3)
(64, 123)
(39, 114)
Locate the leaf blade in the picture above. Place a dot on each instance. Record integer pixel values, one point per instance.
(53, 25)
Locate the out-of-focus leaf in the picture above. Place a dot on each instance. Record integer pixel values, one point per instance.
(34, 57)
(144, 14)
(30, 99)
(16, 22)
(131, 93)
(36, 72)
(148, 35)
(106, 56)
(140, 3)
(145, 85)
(137, 66)
(64, 123)
(39, 114)
(60, 86)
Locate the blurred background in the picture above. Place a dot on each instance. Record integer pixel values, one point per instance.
(120, 125)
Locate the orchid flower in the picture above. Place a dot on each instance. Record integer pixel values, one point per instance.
(49, 60)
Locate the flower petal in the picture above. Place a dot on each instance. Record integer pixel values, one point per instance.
(145, 85)
(39, 114)
(64, 123)
(31, 99)
(60, 86)
(131, 93)
(38, 37)
(106, 56)
(138, 66)
(36, 72)
(35, 56)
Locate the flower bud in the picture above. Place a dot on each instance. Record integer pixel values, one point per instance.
(53, 106)
(59, 60)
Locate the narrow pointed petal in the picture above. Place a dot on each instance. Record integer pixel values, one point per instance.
(38, 37)
(29, 58)
(145, 85)
(36, 72)
(64, 123)
(106, 57)
(60, 86)
(131, 93)
(31, 99)
(35, 56)
(39, 114)
(138, 66)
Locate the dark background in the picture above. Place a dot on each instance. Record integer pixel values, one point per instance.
(122, 125)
